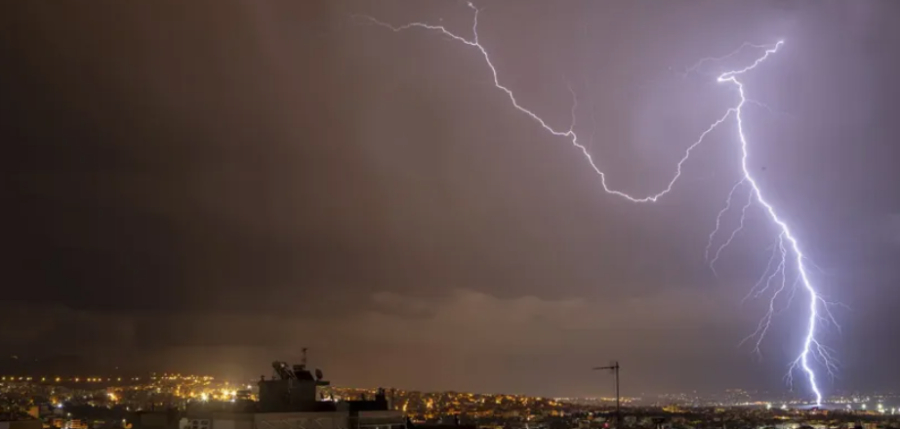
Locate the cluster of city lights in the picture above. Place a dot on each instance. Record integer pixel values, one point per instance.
(12, 378)
(57, 379)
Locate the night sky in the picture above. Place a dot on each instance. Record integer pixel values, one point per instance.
(212, 185)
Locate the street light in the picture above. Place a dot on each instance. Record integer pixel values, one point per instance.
(614, 368)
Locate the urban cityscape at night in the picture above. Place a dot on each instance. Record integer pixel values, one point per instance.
(438, 214)
(176, 400)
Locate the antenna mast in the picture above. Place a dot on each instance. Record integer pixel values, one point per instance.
(615, 368)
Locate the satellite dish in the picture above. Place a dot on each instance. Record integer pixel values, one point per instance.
(318, 374)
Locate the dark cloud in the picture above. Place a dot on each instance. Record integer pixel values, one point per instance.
(214, 185)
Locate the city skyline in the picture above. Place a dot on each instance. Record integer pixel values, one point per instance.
(198, 387)
(245, 180)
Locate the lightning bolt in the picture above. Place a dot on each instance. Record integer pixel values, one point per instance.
(568, 133)
(811, 347)
(788, 245)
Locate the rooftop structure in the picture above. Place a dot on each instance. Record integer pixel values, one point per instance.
(290, 400)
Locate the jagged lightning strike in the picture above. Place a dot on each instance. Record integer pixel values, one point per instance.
(811, 349)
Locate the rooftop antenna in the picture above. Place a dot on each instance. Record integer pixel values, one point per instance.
(614, 367)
